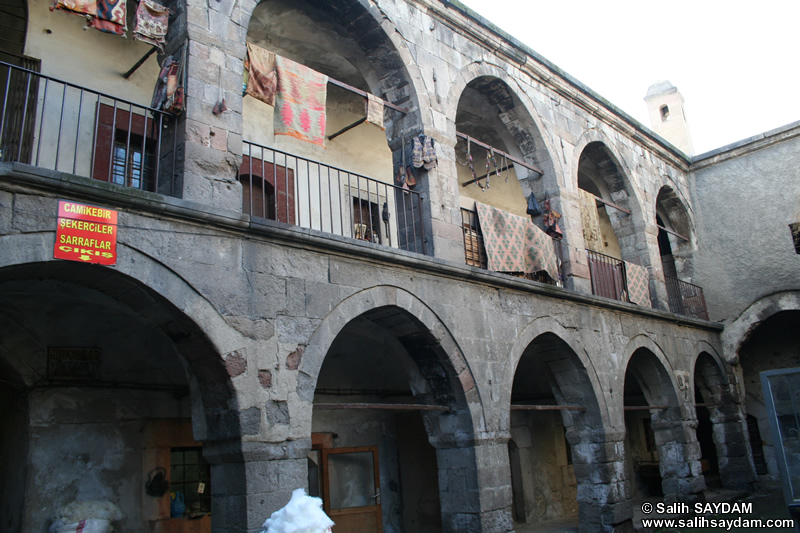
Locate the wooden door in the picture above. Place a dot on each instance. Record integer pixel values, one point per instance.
(351, 489)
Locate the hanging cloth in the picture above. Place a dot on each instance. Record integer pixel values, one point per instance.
(77, 7)
(262, 78)
(514, 244)
(300, 102)
(638, 284)
(416, 153)
(152, 21)
(112, 16)
(168, 94)
(374, 110)
(590, 221)
(429, 154)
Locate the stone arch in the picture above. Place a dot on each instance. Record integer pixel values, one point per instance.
(545, 364)
(601, 170)
(459, 374)
(421, 360)
(139, 307)
(739, 330)
(525, 130)
(763, 337)
(650, 387)
(672, 212)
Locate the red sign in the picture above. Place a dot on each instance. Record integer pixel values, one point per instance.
(86, 233)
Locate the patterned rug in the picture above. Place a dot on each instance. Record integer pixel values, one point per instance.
(514, 244)
(300, 102)
(111, 17)
(638, 284)
(152, 21)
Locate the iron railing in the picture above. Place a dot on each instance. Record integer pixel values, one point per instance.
(475, 250)
(685, 299)
(301, 192)
(608, 276)
(61, 126)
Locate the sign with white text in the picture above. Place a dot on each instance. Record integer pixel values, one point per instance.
(86, 233)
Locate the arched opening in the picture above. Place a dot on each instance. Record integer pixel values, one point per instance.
(660, 460)
(344, 155)
(772, 345)
(557, 450)
(110, 382)
(710, 398)
(501, 159)
(388, 410)
(676, 248)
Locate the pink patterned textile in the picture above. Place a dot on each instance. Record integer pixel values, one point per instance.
(300, 102)
(638, 284)
(514, 244)
(152, 21)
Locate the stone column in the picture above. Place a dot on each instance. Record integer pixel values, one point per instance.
(604, 497)
(679, 460)
(574, 261)
(251, 480)
(734, 454)
(475, 487)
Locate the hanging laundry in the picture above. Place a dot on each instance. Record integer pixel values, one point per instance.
(262, 78)
(168, 94)
(78, 7)
(300, 102)
(590, 221)
(374, 110)
(111, 17)
(429, 154)
(152, 21)
(514, 244)
(638, 284)
(416, 153)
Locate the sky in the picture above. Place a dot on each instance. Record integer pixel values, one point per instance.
(735, 62)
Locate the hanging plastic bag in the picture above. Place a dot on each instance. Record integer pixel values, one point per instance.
(533, 206)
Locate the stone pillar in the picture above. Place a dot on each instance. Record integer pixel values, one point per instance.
(679, 460)
(213, 142)
(251, 480)
(604, 497)
(475, 487)
(734, 455)
(655, 270)
(574, 261)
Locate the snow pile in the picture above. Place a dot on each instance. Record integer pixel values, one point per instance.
(87, 517)
(303, 514)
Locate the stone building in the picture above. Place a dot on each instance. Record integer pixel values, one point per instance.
(204, 297)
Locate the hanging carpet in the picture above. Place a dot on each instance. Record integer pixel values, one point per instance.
(300, 102)
(514, 244)
(152, 21)
(638, 284)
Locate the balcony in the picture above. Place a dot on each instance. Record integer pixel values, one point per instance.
(475, 251)
(686, 299)
(309, 194)
(61, 126)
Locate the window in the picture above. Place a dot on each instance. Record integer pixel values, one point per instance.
(366, 220)
(664, 109)
(267, 189)
(125, 148)
(191, 476)
(131, 163)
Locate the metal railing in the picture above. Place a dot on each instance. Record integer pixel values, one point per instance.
(608, 276)
(61, 126)
(685, 299)
(475, 250)
(301, 192)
